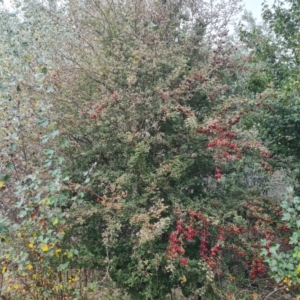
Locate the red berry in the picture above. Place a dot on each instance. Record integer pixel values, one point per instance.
(184, 261)
(218, 176)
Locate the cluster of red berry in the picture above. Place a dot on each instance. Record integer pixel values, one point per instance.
(284, 228)
(221, 138)
(97, 110)
(239, 251)
(175, 248)
(184, 261)
(221, 142)
(221, 132)
(195, 226)
(185, 231)
(257, 268)
(218, 174)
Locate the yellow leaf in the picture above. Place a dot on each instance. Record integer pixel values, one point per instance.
(46, 201)
(182, 279)
(16, 286)
(298, 269)
(30, 245)
(55, 288)
(1, 184)
(7, 255)
(30, 267)
(57, 251)
(55, 221)
(4, 269)
(45, 248)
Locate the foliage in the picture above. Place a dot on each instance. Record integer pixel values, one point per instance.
(124, 165)
(273, 50)
(284, 263)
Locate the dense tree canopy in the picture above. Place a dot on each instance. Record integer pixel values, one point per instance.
(275, 47)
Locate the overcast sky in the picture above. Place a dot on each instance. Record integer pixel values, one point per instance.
(255, 7)
(251, 5)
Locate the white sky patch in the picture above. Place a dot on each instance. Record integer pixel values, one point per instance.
(6, 4)
(255, 7)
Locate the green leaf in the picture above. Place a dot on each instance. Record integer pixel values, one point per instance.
(286, 217)
(9, 166)
(23, 213)
(54, 134)
(63, 267)
(47, 163)
(43, 122)
(6, 178)
(60, 160)
(49, 152)
(44, 70)
(64, 143)
(294, 239)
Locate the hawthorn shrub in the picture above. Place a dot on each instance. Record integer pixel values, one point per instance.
(144, 183)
